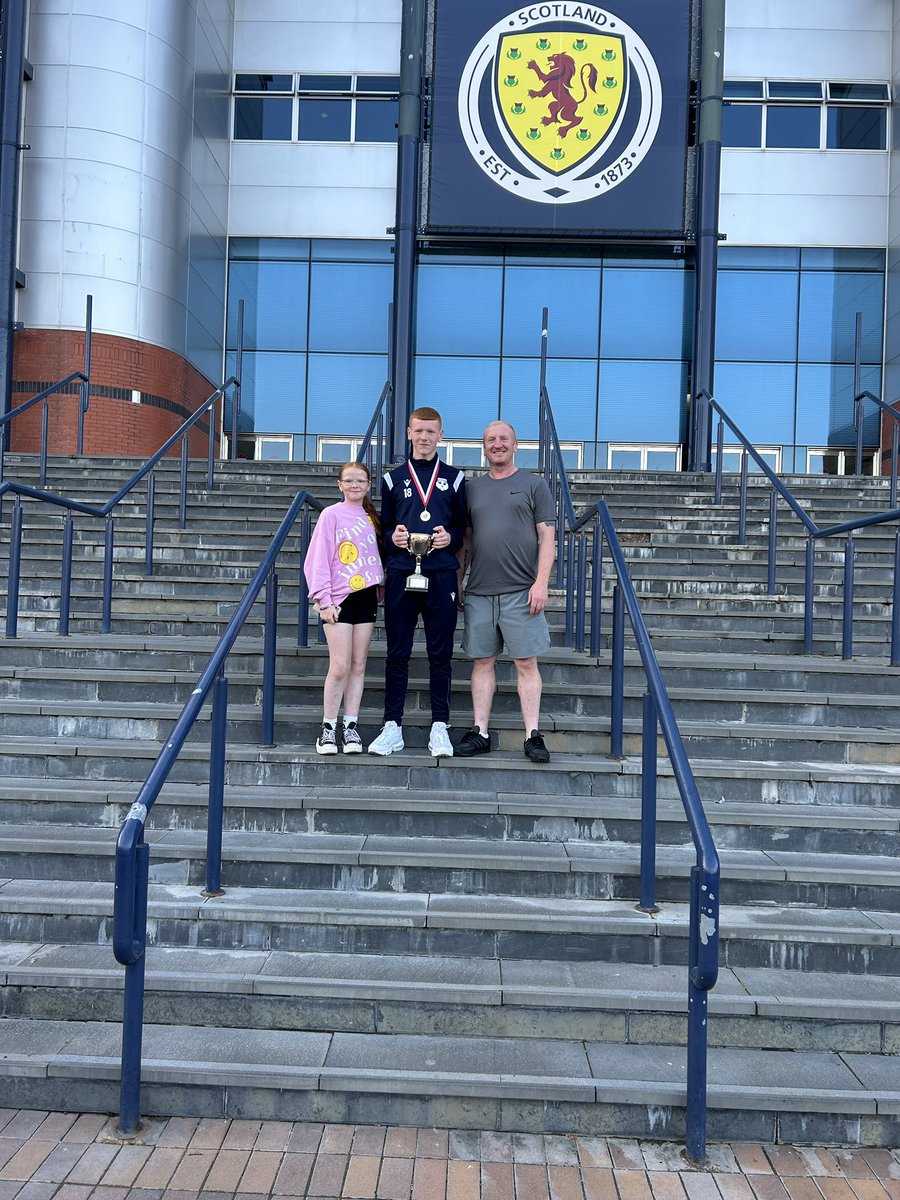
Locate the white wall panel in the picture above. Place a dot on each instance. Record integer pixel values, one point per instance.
(311, 212)
(318, 46)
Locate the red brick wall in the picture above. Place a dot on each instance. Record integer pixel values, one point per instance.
(112, 425)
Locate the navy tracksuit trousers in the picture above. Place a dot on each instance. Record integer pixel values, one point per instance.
(402, 609)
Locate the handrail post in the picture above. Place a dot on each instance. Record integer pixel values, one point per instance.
(148, 528)
(895, 606)
(698, 1004)
(648, 807)
(858, 398)
(268, 696)
(15, 568)
(847, 623)
(303, 603)
(45, 424)
(560, 535)
(720, 449)
(596, 588)
(210, 444)
(218, 736)
(581, 606)
(85, 389)
(133, 1012)
(808, 582)
(895, 454)
(182, 485)
(65, 582)
(236, 392)
(617, 699)
(742, 518)
(106, 620)
(773, 541)
(570, 592)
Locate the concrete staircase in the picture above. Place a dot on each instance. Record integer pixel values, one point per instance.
(450, 942)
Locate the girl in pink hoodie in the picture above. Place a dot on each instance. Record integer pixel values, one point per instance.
(344, 573)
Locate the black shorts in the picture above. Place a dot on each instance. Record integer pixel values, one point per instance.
(359, 608)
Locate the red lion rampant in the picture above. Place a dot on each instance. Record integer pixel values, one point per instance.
(564, 106)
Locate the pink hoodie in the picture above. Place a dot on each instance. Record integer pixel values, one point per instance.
(343, 554)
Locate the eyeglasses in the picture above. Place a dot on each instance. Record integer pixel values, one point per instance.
(354, 482)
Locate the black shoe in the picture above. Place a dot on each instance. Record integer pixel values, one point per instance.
(535, 748)
(472, 743)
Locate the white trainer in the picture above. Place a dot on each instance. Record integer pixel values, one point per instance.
(439, 741)
(389, 741)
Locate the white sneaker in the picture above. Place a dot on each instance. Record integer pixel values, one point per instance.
(389, 741)
(439, 741)
(326, 742)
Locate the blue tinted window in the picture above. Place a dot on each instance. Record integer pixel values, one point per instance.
(274, 295)
(857, 128)
(572, 296)
(776, 257)
(269, 248)
(793, 127)
(742, 125)
(349, 306)
(343, 391)
(324, 120)
(458, 309)
(572, 386)
(759, 397)
(756, 316)
(828, 307)
(262, 119)
(273, 391)
(751, 89)
(376, 120)
(263, 83)
(646, 314)
(642, 401)
(352, 250)
(465, 391)
(818, 258)
(825, 406)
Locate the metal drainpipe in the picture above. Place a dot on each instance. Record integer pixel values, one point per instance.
(709, 158)
(412, 38)
(12, 70)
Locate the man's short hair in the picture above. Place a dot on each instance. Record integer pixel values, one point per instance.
(499, 422)
(426, 414)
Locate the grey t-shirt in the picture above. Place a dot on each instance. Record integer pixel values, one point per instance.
(503, 514)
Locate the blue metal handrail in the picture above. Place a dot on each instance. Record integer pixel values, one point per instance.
(132, 853)
(20, 490)
(373, 448)
(814, 533)
(576, 555)
(858, 402)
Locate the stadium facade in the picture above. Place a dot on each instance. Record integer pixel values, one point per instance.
(183, 155)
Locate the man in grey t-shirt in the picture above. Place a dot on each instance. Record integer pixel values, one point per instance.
(510, 545)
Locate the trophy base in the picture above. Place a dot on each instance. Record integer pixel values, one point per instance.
(417, 583)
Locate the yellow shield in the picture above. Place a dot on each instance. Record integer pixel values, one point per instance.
(559, 92)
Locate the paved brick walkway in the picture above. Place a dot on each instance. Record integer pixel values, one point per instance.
(63, 1156)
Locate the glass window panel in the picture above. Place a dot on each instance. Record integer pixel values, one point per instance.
(458, 309)
(858, 91)
(857, 128)
(662, 460)
(825, 406)
(324, 120)
(273, 392)
(782, 90)
(352, 250)
(262, 119)
(623, 459)
(263, 83)
(793, 127)
(759, 397)
(642, 401)
(274, 295)
(756, 316)
(743, 89)
(349, 306)
(655, 256)
(742, 125)
(818, 258)
(343, 392)
(269, 248)
(487, 253)
(465, 391)
(527, 457)
(828, 307)
(376, 120)
(774, 257)
(572, 385)
(572, 296)
(274, 451)
(645, 314)
(378, 83)
(336, 452)
(324, 83)
(465, 456)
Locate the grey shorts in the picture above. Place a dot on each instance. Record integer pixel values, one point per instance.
(493, 622)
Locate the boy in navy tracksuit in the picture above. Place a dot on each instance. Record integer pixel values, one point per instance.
(422, 495)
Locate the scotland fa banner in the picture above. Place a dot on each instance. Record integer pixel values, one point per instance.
(560, 116)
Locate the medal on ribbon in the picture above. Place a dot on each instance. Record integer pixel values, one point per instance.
(425, 496)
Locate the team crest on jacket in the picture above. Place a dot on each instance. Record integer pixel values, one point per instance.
(560, 102)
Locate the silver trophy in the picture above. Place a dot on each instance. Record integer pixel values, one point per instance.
(419, 545)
